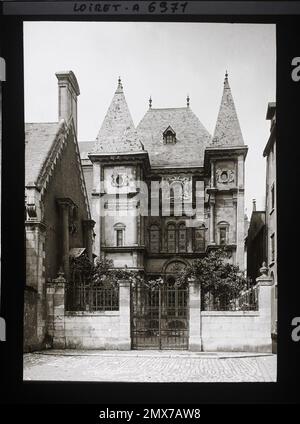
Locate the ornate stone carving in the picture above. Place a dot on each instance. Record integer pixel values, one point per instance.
(185, 182)
(119, 179)
(175, 267)
(225, 176)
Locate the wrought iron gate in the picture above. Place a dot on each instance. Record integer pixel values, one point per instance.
(159, 317)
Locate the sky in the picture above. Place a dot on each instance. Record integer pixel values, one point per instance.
(164, 60)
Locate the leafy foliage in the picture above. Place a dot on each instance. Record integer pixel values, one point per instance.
(218, 278)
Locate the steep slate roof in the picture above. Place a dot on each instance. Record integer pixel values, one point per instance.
(191, 137)
(117, 133)
(39, 139)
(227, 131)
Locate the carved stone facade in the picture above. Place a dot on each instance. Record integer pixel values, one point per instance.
(166, 192)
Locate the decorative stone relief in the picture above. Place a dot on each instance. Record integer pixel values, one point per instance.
(185, 182)
(225, 176)
(119, 179)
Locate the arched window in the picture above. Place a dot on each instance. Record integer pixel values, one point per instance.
(182, 239)
(223, 233)
(171, 238)
(199, 239)
(154, 238)
(119, 234)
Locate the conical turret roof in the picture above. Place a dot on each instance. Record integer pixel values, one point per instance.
(228, 131)
(117, 133)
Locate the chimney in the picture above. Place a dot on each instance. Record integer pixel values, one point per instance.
(68, 90)
(254, 205)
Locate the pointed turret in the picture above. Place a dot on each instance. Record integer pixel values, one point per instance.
(117, 133)
(228, 131)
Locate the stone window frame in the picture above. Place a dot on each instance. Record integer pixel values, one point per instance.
(151, 230)
(171, 224)
(119, 226)
(169, 136)
(221, 226)
(181, 226)
(202, 230)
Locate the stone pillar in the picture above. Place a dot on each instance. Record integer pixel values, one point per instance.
(212, 175)
(195, 341)
(264, 284)
(56, 311)
(96, 205)
(240, 215)
(65, 204)
(234, 201)
(124, 308)
(212, 222)
(88, 226)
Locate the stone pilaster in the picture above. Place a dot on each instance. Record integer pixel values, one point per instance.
(96, 205)
(35, 272)
(88, 226)
(56, 311)
(240, 214)
(195, 341)
(212, 220)
(124, 309)
(65, 205)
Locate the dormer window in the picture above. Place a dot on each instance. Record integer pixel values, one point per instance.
(169, 136)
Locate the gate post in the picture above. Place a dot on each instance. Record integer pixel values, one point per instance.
(124, 309)
(56, 311)
(264, 284)
(195, 341)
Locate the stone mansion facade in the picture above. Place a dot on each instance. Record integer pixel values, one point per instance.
(166, 192)
(152, 199)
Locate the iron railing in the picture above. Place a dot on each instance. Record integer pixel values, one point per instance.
(85, 296)
(245, 301)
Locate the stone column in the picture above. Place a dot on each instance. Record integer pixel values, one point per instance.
(56, 311)
(124, 309)
(240, 215)
(195, 341)
(234, 201)
(96, 205)
(88, 226)
(264, 284)
(65, 204)
(212, 222)
(212, 174)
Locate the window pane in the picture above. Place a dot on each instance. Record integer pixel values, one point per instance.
(119, 237)
(222, 235)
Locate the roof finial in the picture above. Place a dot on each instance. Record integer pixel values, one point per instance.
(187, 101)
(254, 205)
(150, 102)
(120, 86)
(226, 77)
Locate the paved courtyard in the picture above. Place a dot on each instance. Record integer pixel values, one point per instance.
(149, 366)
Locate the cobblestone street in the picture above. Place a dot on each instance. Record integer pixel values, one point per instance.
(149, 366)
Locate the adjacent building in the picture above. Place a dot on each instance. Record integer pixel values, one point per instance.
(271, 211)
(57, 212)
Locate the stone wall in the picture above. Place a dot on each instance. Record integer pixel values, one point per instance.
(31, 341)
(87, 330)
(237, 331)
